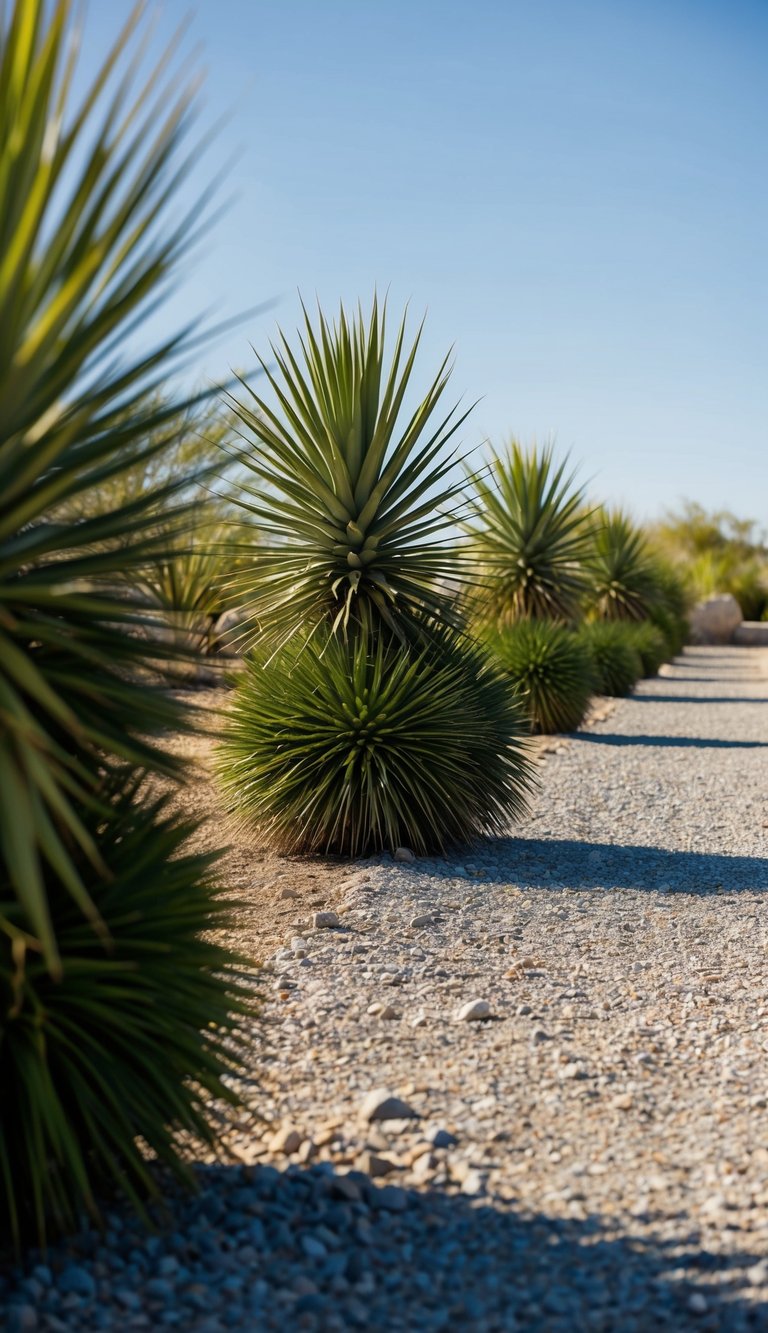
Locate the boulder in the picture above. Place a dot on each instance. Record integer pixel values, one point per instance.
(715, 620)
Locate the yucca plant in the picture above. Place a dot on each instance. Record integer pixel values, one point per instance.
(354, 745)
(551, 670)
(615, 658)
(356, 502)
(530, 537)
(131, 1041)
(187, 589)
(84, 186)
(622, 571)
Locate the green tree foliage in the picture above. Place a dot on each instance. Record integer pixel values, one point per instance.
(717, 552)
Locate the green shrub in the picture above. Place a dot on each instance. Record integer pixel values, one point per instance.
(530, 538)
(650, 644)
(358, 745)
(131, 1042)
(614, 655)
(717, 552)
(550, 668)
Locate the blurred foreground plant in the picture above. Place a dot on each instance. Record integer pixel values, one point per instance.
(106, 991)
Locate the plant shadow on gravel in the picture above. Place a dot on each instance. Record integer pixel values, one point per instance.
(711, 679)
(664, 742)
(315, 1251)
(545, 863)
(696, 699)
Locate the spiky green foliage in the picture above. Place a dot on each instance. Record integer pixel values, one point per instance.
(186, 586)
(650, 644)
(85, 184)
(551, 670)
(354, 745)
(530, 537)
(615, 659)
(132, 1041)
(356, 504)
(622, 571)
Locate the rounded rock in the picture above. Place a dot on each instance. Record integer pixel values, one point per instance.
(473, 1011)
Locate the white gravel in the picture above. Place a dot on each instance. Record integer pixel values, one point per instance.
(552, 1050)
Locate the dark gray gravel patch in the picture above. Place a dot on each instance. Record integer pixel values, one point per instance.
(259, 1249)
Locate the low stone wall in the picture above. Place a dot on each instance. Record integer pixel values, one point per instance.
(752, 633)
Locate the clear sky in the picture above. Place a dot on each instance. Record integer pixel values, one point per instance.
(575, 190)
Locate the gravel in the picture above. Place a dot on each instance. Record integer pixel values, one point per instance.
(592, 1155)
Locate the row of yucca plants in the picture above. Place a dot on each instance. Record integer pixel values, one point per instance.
(572, 600)
(407, 621)
(118, 1014)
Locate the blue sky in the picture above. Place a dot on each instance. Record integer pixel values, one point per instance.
(575, 190)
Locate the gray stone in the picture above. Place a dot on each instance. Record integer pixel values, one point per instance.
(473, 1183)
(381, 1104)
(753, 633)
(286, 1140)
(325, 920)
(441, 1138)
(375, 1166)
(313, 1248)
(473, 1011)
(77, 1281)
(21, 1319)
(391, 1198)
(715, 620)
(404, 854)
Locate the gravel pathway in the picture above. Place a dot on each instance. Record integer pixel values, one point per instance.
(523, 1091)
